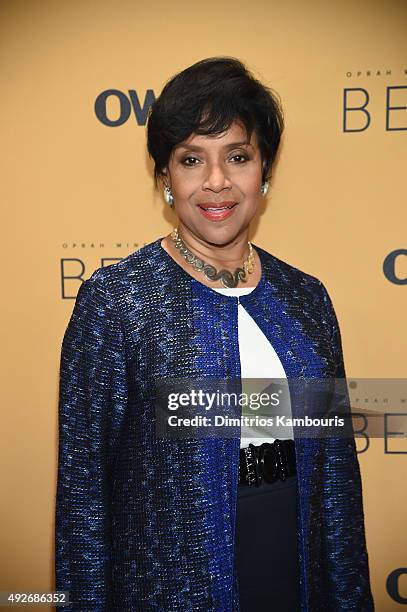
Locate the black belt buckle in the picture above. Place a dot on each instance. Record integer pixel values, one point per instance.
(268, 462)
(273, 461)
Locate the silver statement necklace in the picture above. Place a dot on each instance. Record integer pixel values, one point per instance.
(227, 279)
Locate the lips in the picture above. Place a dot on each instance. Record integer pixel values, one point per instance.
(217, 205)
(217, 211)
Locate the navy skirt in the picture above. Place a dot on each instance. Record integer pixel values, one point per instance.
(266, 547)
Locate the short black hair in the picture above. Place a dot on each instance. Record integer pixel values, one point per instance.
(205, 99)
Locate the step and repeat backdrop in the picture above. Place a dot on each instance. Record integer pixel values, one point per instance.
(77, 80)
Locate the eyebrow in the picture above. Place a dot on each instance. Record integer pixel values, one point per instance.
(231, 145)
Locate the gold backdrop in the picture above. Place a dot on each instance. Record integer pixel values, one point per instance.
(77, 193)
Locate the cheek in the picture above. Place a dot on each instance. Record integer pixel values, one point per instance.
(184, 184)
(249, 184)
(249, 174)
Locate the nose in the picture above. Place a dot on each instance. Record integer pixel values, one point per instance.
(216, 178)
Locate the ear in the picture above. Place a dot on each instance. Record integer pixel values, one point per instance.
(165, 177)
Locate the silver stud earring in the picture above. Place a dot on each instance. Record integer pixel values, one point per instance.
(168, 197)
(264, 188)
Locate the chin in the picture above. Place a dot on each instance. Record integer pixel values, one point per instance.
(220, 236)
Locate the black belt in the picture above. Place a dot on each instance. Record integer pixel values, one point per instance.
(267, 462)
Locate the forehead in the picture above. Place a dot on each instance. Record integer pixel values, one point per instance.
(236, 134)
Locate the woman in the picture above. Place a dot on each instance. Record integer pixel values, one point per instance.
(150, 522)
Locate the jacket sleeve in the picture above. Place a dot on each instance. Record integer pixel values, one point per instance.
(93, 396)
(343, 530)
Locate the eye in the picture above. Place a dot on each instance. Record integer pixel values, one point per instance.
(240, 157)
(186, 161)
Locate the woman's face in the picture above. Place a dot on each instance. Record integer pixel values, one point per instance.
(216, 181)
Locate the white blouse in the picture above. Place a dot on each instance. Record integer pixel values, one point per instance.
(258, 359)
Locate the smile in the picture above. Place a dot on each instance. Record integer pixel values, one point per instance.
(217, 212)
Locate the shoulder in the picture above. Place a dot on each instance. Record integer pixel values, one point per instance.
(130, 273)
(104, 300)
(298, 288)
(281, 272)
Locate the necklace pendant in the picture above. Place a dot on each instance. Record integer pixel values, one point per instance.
(228, 283)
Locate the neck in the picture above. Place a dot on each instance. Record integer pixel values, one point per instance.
(228, 255)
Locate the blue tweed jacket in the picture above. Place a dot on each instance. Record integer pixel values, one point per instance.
(147, 524)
